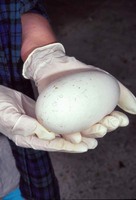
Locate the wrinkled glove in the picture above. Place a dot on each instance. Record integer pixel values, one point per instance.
(18, 123)
(48, 63)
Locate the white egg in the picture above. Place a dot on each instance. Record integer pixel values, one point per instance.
(75, 102)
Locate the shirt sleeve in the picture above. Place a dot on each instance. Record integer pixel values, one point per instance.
(36, 6)
(11, 39)
(9, 175)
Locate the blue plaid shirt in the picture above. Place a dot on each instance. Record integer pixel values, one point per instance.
(38, 181)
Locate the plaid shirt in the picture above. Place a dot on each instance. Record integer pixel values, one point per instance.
(38, 181)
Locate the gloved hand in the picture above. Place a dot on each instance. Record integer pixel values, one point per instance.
(18, 123)
(46, 64)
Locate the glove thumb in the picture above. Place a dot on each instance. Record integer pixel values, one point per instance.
(28, 126)
(127, 100)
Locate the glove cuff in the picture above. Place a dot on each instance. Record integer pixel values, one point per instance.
(31, 65)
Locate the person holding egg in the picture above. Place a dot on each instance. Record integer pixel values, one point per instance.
(72, 109)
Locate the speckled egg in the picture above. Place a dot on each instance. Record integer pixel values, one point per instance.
(75, 102)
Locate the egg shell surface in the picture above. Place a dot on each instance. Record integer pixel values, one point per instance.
(75, 102)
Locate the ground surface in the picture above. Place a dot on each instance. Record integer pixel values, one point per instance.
(101, 33)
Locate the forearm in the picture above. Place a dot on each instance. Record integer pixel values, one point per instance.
(36, 32)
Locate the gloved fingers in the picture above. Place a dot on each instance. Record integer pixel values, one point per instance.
(107, 124)
(73, 137)
(127, 100)
(43, 133)
(27, 126)
(110, 122)
(95, 131)
(56, 145)
(90, 142)
(62, 145)
(123, 119)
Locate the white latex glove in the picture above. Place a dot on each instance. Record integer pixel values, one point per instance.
(48, 63)
(18, 123)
